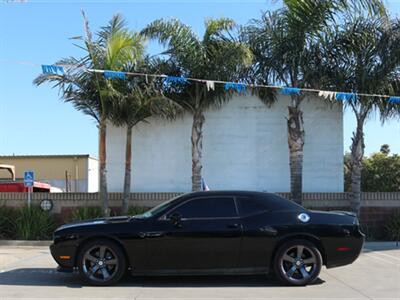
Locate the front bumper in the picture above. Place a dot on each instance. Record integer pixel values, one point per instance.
(64, 255)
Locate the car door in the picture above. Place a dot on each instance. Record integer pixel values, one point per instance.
(259, 234)
(207, 237)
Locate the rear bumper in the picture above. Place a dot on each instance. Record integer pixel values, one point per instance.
(344, 251)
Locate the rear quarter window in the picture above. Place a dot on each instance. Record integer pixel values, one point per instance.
(265, 202)
(251, 206)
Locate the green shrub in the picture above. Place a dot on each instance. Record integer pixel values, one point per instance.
(7, 224)
(137, 210)
(32, 223)
(393, 226)
(85, 213)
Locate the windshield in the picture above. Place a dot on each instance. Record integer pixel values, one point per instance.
(155, 210)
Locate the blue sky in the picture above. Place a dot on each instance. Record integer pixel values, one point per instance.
(34, 121)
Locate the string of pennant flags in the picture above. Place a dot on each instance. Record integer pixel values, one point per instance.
(238, 87)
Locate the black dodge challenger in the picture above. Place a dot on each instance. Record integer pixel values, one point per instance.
(213, 232)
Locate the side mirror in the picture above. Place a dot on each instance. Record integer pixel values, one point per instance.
(176, 219)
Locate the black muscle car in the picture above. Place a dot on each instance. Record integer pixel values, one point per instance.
(213, 232)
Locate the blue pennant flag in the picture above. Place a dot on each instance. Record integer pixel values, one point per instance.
(394, 100)
(53, 69)
(114, 75)
(238, 87)
(175, 79)
(204, 185)
(345, 96)
(290, 91)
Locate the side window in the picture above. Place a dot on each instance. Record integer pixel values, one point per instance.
(218, 207)
(250, 206)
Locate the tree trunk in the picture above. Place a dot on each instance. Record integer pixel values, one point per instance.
(296, 135)
(357, 154)
(103, 172)
(197, 148)
(127, 179)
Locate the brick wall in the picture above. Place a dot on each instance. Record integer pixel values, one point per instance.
(376, 207)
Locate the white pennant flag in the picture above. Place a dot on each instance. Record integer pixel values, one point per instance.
(327, 95)
(210, 85)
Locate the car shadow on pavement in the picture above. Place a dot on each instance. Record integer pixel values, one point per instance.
(50, 277)
(39, 277)
(207, 281)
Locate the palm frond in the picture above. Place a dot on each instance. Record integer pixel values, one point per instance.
(179, 39)
(123, 48)
(362, 56)
(216, 28)
(310, 15)
(219, 56)
(115, 48)
(117, 24)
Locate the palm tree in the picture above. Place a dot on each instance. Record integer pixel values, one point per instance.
(280, 42)
(218, 56)
(87, 90)
(134, 101)
(362, 57)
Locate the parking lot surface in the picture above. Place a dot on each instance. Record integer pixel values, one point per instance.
(29, 273)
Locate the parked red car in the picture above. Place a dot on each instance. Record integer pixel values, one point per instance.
(18, 187)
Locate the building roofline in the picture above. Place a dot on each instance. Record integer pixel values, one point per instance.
(49, 156)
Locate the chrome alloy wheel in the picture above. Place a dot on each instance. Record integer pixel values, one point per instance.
(298, 264)
(100, 263)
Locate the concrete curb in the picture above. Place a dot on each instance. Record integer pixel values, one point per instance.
(24, 243)
(379, 246)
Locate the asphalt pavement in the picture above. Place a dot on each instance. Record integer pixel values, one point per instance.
(28, 272)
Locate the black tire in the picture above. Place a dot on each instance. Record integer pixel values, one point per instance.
(101, 262)
(294, 270)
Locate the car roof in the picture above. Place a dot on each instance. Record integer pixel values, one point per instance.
(275, 201)
(227, 192)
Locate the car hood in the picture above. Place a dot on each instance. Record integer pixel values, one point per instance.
(93, 222)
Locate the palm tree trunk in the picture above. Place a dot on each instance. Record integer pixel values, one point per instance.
(127, 179)
(197, 148)
(296, 135)
(357, 154)
(103, 172)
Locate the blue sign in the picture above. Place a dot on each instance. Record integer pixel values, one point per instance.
(29, 178)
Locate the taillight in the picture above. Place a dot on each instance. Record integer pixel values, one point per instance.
(342, 249)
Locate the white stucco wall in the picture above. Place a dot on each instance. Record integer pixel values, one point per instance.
(93, 175)
(244, 147)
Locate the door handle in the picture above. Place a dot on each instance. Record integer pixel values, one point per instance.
(151, 234)
(268, 230)
(233, 226)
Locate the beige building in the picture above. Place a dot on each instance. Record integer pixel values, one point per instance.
(69, 173)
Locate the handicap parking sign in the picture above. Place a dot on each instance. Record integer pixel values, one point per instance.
(29, 178)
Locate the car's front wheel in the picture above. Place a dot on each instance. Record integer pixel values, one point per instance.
(298, 262)
(101, 262)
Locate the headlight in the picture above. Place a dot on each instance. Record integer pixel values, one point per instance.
(62, 238)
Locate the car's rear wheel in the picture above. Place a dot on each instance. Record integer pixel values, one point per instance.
(101, 262)
(298, 262)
